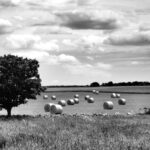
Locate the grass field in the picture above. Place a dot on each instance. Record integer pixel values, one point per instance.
(71, 132)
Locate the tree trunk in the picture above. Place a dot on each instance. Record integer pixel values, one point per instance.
(9, 112)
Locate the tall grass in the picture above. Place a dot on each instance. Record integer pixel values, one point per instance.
(72, 132)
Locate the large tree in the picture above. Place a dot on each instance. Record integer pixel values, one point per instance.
(19, 81)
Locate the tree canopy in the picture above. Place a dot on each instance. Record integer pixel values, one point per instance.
(19, 81)
(94, 84)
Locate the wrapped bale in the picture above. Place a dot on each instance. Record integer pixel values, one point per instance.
(45, 96)
(56, 109)
(87, 97)
(76, 96)
(76, 100)
(108, 105)
(121, 101)
(62, 102)
(47, 107)
(70, 102)
(117, 95)
(53, 97)
(113, 95)
(90, 100)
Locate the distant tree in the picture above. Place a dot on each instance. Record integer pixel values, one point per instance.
(19, 81)
(94, 84)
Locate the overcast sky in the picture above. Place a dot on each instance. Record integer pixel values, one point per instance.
(79, 41)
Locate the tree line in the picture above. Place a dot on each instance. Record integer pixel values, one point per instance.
(110, 83)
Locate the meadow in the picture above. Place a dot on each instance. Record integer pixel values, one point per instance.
(82, 126)
(75, 132)
(137, 98)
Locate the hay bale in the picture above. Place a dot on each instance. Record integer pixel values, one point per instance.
(121, 101)
(108, 105)
(62, 102)
(93, 91)
(47, 107)
(90, 100)
(96, 92)
(70, 102)
(45, 96)
(56, 109)
(87, 97)
(53, 97)
(76, 96)
(113, 95)
(117, 95)
(76, 100)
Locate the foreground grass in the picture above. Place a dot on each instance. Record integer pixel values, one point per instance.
(68, 132)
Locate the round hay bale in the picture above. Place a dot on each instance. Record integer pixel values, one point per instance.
(87, 97)
(117, 95)
(76, 96)
(93, 91)
(53, 97)
(70, 102)
(56, 109)
(113, 95)
(121, 101)
(62, 102)
(76, 100)
(96, 92)
(90, 100)
(45, 96)
(108, 105)
(47, 107)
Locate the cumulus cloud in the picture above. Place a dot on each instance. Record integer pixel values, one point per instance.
(45, 57)
(40, 56)
(5, 26)
(22, 41)
(31, 41)
(62, 59)
(89, 70)
(130, 39)
(97, 20)
(134, 62)
(47, 46)
(6, 3)
(52, 30)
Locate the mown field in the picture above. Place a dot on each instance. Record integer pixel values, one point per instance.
(134, 103)
(75, 132)
(121, 89)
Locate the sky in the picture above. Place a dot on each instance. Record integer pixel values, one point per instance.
(79, 41)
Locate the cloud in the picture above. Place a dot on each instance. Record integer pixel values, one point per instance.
(62, 59)
(134, 62)
(46, 58)
(98, 69)
(22, 41)
(47, 46)
(5, 26)
(144, 27)
(96, 20)
(31, 41)
(50, 3)
(40, 56)
(130, 39)
(6, 3)
(52, 30)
